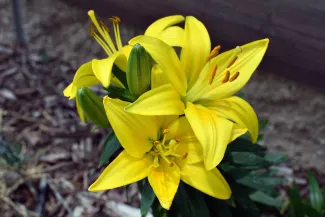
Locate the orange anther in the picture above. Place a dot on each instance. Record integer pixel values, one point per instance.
(213, 53)
(213, 73)
(226, 78)
(234, 77)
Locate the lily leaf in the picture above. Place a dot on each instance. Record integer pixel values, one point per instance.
(147, 197)
(111, 145)
(261, 197)
(315, 195)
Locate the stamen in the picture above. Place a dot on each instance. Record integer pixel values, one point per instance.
(166, 159)
(234, 77)
(102, 43)
(165, 131)
(102, 29)
(232, 62)
(213, 53)
(213, 73)
(156, 142)
(183, 156)
(116, 20)
(226, 78)
(177, 141)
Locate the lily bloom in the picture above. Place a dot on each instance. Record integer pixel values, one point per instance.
(206, 82)
(162, 148)
(100, 71)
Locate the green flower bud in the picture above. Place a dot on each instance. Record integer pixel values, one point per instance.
(138, 72)
(92, 106)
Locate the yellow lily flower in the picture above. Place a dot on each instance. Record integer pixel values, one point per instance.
(100, 71)
(162, 148)
(206, 81)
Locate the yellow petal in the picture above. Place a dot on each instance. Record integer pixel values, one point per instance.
(236, 110)
(127, 50)
(248, 59)
(213, 132)
(196, 48)
(163, 100)
(160, 25)
(81, 113)
(133, 131)
(173, 36)
(158, 77)
(166, 58)
(103, 68)
(67, 90)
(124, 170)
(181, 130)
(84, 77)
(164, 181)
(237, 131)
(210, 182)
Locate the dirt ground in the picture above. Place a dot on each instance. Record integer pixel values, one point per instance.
(296, 113)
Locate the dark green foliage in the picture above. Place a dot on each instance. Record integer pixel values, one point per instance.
(120, 93)
(314, 206)
(110, 146)
(147, 196)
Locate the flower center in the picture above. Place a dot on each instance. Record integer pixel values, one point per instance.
(103, 37)
(165, 150)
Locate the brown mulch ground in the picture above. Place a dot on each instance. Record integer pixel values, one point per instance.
(61, 154)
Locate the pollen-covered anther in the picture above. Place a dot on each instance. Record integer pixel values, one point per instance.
(234, 77)
(226, 78)
(183, 156)
(165, 131)
(170, 164)
(213, 74)
(213, 53)
(91, 30)
(232, 62)
(177, 141)
(115, 19)
(156, 142)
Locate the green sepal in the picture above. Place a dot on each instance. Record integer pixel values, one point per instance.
(93, 107)
(138, 72)
(120, 93)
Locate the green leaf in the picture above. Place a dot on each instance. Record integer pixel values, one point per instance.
(243, 145)
(189, 202)
(262, 124)
(111, 145)
(260, 137)
(263, 183)
(275, 158)
(315, 195)
(295, 207)
(240, 95)
(218, 207)
(248, 159)
(121, 93)
(261, 197)
(311, 212)
(158, 210)
(121, 75)
(147, 197)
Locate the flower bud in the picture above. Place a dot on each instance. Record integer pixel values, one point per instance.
(138, 72)
(92, 106)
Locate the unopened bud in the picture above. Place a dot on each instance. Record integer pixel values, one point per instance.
(138, 72)
(92, 106)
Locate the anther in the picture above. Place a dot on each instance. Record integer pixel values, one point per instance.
(213, 73)
(165, 131)
(213, 53)
(234, 77)
(183, 156)
(232, 62)
(226, 78)
(115, 19)
(91, 30)
(177, 141)
(156, 142)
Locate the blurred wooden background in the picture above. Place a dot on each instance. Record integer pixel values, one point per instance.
(296, 28)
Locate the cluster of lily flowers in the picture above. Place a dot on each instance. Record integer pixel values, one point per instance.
(182, 113)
